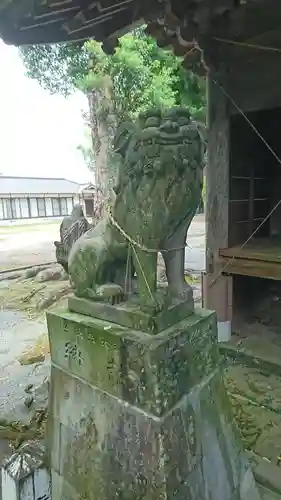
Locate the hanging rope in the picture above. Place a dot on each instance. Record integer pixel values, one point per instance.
(248, 45)
(142, 272)
(128, 274)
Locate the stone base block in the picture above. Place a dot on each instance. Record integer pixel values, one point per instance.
(137, 416)
(130, 315)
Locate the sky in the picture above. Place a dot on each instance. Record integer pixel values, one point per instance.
(39, 132)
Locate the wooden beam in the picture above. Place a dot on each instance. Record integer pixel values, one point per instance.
(250, 20)
(217, 172)
(217, 289)
(57, 32)
(254, 79)
(254, 268)
(260, 249)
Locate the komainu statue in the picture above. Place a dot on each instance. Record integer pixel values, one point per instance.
(71, 228)
(156, 197)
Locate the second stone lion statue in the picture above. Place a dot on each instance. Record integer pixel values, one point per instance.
(156, 197)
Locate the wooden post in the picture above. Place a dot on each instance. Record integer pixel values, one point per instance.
(217, 289)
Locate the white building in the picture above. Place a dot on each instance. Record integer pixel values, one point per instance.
(31, 197)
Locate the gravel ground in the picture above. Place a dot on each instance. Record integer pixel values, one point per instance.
(17, 334)
(195, 250)
(24, 248)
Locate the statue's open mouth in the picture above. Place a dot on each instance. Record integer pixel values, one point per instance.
(166, 140)
(152, 135)
(171, 139)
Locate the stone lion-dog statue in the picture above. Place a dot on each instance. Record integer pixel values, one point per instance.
(156, 197)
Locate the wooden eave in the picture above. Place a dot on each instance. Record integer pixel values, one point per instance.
(174, 23)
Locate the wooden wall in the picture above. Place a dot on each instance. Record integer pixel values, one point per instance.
(251, 175)
(242, 176)
(254, 78)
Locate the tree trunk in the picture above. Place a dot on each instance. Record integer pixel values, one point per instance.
(102, 124)
(99, 136)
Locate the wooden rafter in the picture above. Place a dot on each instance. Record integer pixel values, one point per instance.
(174, 23)
(52, 17)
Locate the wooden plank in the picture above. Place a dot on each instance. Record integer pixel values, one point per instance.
(268, 250)
(255, 268)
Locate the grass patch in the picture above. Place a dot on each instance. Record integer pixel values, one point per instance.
(192, 280)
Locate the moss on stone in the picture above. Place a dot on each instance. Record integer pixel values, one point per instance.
(256, 399)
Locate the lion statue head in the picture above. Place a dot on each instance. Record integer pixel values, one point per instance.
(160, 178)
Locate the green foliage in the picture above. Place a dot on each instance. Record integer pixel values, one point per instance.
(138, 75)
(87, 153)
(56, 67)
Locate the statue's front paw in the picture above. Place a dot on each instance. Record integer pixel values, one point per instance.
(111, 293)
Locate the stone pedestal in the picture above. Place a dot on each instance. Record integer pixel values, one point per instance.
(135, 416)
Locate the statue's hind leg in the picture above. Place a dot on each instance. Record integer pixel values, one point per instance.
(174, 255)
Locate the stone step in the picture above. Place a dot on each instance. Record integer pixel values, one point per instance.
(267, 475)
(268, 494)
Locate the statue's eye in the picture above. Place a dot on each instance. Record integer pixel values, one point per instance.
(152, 121)
(183, 120)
